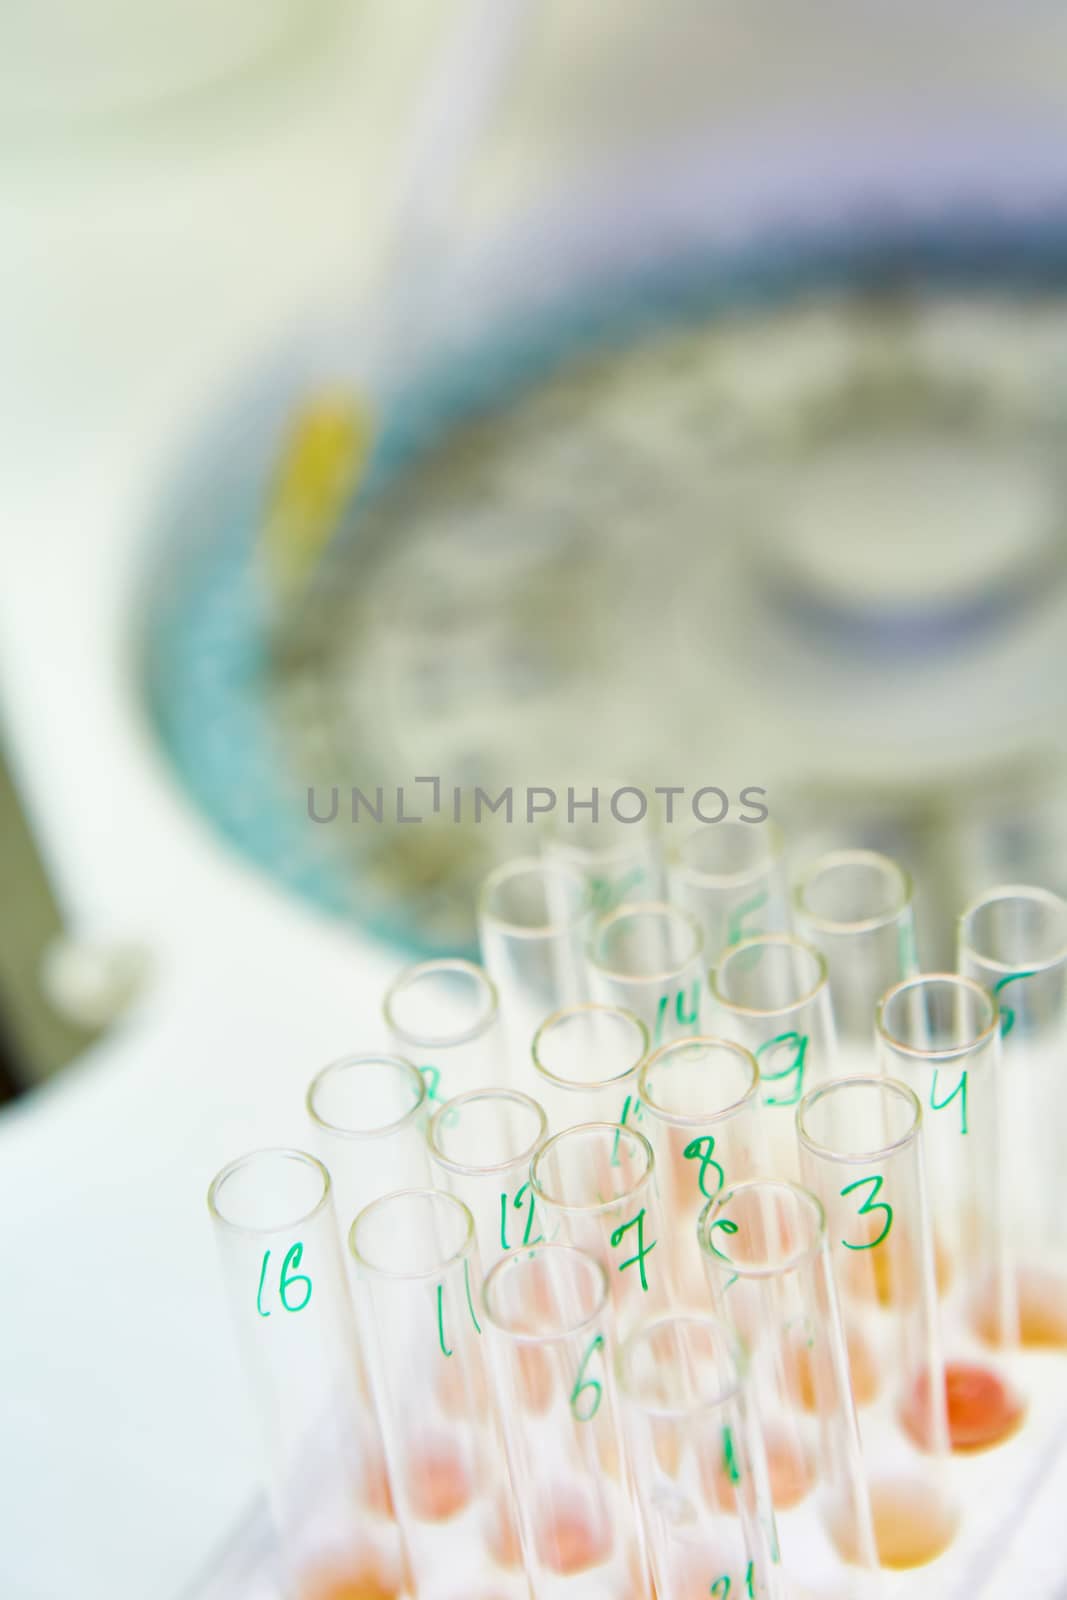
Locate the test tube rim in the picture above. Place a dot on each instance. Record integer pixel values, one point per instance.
(634, 908)
(760, 939)
(567, 1013)
(951, 1052)
(513, 869)
(462, 1253)
(1009, 891)
(463, 1169)
(595, 1208)
(881, 1081)
(431, 1041)
(672, 1318)
(698, 876)
(677, 1119)
(557, 847)
(513, 1261)
(856, 857)
(798, 1259)
(361, 1059)
(288, 1152)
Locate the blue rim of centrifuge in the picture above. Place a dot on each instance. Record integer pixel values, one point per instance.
(203, 636)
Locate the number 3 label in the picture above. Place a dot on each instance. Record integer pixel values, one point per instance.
(868, 1208)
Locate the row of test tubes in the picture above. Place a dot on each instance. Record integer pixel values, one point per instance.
(695, 1246)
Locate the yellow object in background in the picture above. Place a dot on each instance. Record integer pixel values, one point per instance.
(320, 463)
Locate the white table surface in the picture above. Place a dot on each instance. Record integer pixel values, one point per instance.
(142, 273)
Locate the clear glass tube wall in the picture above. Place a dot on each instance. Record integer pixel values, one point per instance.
(703, 1118)
(481, 1147)
(699, 1461)
(940, 1033)
(418, 1281)
(648, 959)
(587, 1061)
(861, 1154)
(1014, 942)
(772, 995)
(533, 922)
(369, 1113)
(855, 906)
(730, 877)
(621, 862)
(551, 1338)
(595, 1187)
(325, 1469)
(768, 1268)
(444, 1016)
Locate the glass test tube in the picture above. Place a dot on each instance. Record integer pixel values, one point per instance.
(940, 1034)
(595, 1187)
(649, 960)
(418, 1280)
(767, 1261)
(730, 877)
(855, 906)
(550, 1337)
(533, 921)
(621, 862)
(443, 1016)
(587, 1060)
(481, 1147)
(369, 1114)
(1014, 942)
(861, 1154)
(699, 1463)
(277, 1240)
(772, 995)
(702, 1116)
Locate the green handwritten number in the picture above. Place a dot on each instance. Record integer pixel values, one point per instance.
(632, 1110)
(799, 1043)
(960, 1089)
(259, 1291)
(432, 1078)
(868, 1208)
(703, 1150)
(470, 1297)
(720, 1589)
(729, 1457)
(690, 1018)
(529, 1202)
(1007, 1013)
(523, 1197)
(686, 1018)
(735, 923)
(727, 1227)
(583, 1385)
(445, 1351)
(643, 1250)
(293, 1257)
(606, 895)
